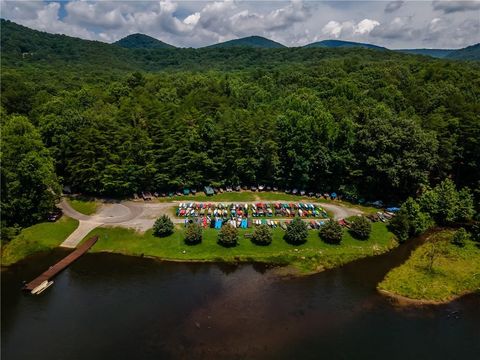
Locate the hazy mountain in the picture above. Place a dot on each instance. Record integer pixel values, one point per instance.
(251, 41)
(341, 43)
(436, 53)
(468, 53)
(141, 41)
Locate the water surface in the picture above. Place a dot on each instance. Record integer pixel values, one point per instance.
(109, 306)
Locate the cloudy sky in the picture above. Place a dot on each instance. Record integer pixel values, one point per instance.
(394, 24)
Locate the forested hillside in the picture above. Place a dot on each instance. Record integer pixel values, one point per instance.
(141, 41)
(378, 125)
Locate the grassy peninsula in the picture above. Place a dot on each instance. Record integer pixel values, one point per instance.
(438, 271)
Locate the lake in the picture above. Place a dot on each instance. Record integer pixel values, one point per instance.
(108, 306)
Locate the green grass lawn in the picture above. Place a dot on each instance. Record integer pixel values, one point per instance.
(312, 256)
(86, 207)
(39, 237)
(456, 271)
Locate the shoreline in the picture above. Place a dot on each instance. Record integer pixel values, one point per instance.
(402, 300)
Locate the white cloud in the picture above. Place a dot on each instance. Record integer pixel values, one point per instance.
(365, 26)
(349, 28)
(294, 23)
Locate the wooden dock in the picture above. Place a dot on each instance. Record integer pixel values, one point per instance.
(62, 264)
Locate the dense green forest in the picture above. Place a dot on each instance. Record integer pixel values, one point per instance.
(111, 121)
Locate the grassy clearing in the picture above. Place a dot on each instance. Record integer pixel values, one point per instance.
(455, 271)
(84, 206)
(313, 256)
(37, 238)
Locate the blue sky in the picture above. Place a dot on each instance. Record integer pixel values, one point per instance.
(394, 24)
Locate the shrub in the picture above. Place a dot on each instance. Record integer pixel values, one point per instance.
(228, 236)
(331, 232)
(163, 226)
(193, 234)
(460, 237)
(296, 232)
(262, 235)
(360, 228)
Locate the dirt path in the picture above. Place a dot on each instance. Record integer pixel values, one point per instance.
(141, 216)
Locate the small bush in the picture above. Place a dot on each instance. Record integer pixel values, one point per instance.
(163, 226)
(228, 236)
(331, 232)
(193, 234)
(360, 228)
(296, 232)
(460, 237)
(262, 235)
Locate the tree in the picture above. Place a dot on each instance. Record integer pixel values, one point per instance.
(460, 237)
(360, 227)
(432, 251)
(410, 220)
(446, 204)
(163, 226)
(331, 232)
(475, 233)
(30, 187)
(193, 234)
(400, 226)
(262, 235)
(297, 232)
(228, 236)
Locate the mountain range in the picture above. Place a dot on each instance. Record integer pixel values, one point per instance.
(17, 39)
(137, 41)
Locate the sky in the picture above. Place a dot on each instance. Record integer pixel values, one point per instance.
(393, 24)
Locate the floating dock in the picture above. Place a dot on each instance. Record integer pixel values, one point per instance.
(40, 283)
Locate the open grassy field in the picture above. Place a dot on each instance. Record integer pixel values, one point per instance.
(84, 206)
(37, 238)
(455, 271)
(312, 256)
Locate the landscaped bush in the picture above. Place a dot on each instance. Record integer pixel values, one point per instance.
(296, 232)
(262, 235)
(163, 226)
(360, 228)
(228, 236)
(460, 237)
(331, 232)
(193, 234)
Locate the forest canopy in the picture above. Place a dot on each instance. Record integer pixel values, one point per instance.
(377, 125)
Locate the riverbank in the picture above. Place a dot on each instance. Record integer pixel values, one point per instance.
(313, 256)
(453, 272)
(37, 238)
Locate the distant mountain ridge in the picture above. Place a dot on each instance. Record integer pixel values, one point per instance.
(142, 41)
(436, 53)
(341, 43)
(250, 41)
(20, 42)
(468, 53)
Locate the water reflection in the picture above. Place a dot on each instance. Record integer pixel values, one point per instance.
(110, 306)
